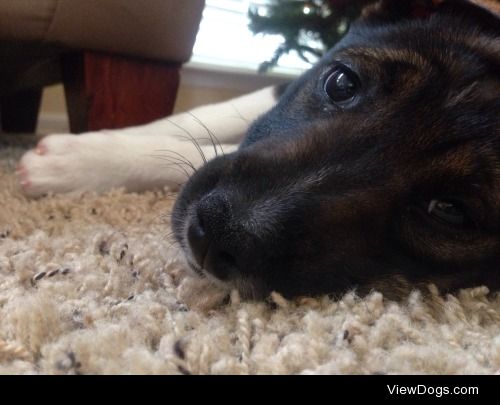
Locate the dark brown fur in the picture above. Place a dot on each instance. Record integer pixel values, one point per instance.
(323, 197)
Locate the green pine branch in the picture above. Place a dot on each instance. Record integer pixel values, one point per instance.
(299, 22)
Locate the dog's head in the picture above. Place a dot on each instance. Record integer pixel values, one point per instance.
(379, 167)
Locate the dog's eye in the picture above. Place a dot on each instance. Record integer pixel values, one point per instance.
(448, 212)
(341, 85)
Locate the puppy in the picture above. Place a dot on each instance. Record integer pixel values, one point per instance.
(378, 168)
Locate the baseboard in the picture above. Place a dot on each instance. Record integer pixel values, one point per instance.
(226, 78)
(52, 123)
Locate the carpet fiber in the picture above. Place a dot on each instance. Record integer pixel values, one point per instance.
(92, 284)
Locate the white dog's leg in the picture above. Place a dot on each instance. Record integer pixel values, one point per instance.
(143, 157)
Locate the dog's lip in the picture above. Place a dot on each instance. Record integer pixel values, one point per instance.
(196, 269)
(200, 272)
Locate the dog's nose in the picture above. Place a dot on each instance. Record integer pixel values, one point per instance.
(209, 237)
(198, 239)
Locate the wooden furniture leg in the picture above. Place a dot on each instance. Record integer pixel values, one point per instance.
(108, 91)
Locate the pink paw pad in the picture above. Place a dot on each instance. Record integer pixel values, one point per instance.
(25, 184)
(22, 173)
(41, 149)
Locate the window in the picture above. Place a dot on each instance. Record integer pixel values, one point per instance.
(225, 40)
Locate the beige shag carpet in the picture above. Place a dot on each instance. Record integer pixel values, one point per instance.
(91, 285)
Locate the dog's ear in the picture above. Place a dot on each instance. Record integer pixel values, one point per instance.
(485, 13)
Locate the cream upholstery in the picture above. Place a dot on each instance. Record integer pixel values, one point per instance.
(152, 29)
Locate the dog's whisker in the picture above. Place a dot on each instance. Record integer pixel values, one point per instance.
(182, 164)
(174, 161)
(196, 144)
(169, 198)
(191, 138)
(164, 218)
(210, 134)
(206, 128)
(177, 155)
(171, 195)
(240, 115)
(171, 241)
(170, 234)
(177, 167)
(170, 244)
(204, 138)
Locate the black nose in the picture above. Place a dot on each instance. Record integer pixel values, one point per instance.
(211, 238)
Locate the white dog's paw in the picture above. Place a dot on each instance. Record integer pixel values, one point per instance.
(100, 161)
(72, 163)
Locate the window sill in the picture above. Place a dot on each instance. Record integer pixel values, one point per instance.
(241, 78)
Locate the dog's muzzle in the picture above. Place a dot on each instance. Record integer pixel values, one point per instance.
(209, 235)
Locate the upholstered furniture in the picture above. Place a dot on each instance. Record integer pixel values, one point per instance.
(119, 60)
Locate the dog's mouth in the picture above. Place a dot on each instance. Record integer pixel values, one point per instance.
(198, 271)
(219, 271)
(196, 263)
(246, 287)
(209, 263)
